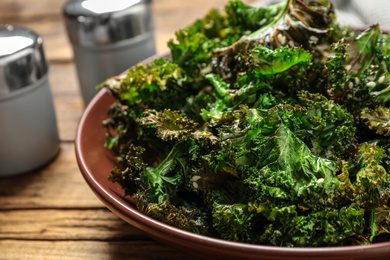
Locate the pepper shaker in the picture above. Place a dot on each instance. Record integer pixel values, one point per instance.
(107, 38)
(28, 127)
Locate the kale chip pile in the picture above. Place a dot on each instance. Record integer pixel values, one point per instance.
(268, 125)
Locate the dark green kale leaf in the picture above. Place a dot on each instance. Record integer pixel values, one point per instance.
(288, 227)
(190, 218)
(250, 18)
(235, 222)
(299, 23)
(363, 50)
(370, 64)
(195, 45)
(266, 61)
(276, 166)
(130, 177)
(164, 181)
(250, 89)
(282, 167)
(332, 129)
(160, 84)
(357, 74)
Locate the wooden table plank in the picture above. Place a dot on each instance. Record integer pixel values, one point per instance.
(94, 250)
(59, 185)
(67, 98)
(79, 224)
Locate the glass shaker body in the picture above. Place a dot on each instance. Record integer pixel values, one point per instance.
(28, 132)
(107, 40)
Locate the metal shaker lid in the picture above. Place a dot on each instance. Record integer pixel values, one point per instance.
(93, 23)
(22, 59)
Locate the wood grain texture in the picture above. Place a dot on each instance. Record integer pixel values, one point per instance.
(72, 224)
(58, 185)
(88, 250)
(67, 98)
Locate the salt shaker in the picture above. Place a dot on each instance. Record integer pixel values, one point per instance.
(28, 127)
(108, 37)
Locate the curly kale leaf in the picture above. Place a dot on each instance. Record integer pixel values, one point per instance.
(372, 186)
(299, 23)
(363, 50)
(324, 126)
(189, 218)
(357, 74)
(370, 63)
(335, 78)
(288, 227)
(366, 181)
(229, 98)
(299, 172)
(328, 226)
(249, 89)
(130, 177)
(164, 181)
(379, 222)
(170, 125)
(285, 226)
(161, 182)
(121, 130)
(377, 119)
(235, 222)
(332, 129)
(257, 145)
(195, 45)
(266, 61)
(251, 18)
(160, 84)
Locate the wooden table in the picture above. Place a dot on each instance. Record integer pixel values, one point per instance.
(51, 213)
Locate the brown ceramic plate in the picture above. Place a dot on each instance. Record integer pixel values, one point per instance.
(95, 163)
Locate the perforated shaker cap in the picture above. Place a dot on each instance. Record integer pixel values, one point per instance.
(91, 23)
(22, 59)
